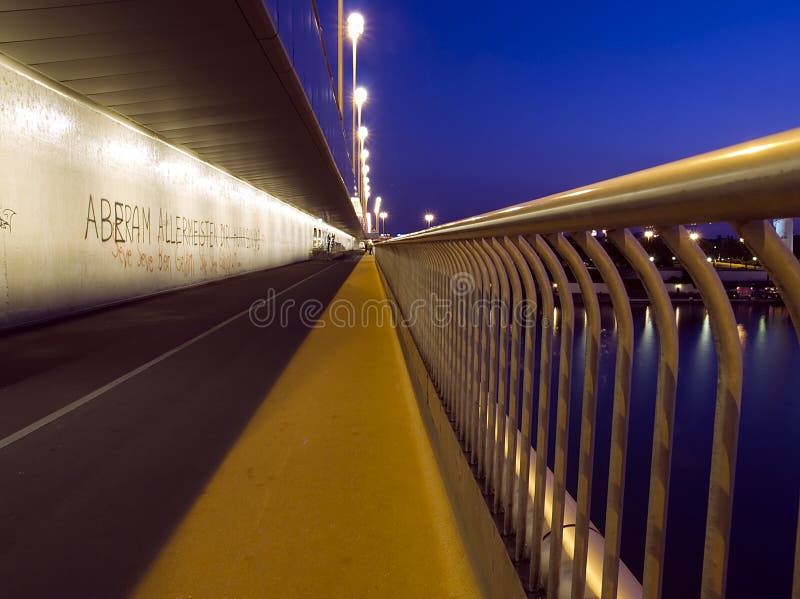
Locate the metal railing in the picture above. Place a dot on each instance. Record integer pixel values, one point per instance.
(509, 263)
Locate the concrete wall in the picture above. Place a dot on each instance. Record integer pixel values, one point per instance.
(94, 210)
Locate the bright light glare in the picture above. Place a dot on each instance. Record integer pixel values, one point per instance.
(383, 215)
(355, 26)
(127, 153)
(364, 155)
(694, 236)
(648, 234)
(363, 132)
(361, 96)
(366, 170)
(45, 122)
(429, 218)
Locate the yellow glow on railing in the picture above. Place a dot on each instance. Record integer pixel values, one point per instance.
(750, 150)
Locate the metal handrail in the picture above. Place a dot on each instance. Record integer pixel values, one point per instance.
(522, 253)
(756, 180)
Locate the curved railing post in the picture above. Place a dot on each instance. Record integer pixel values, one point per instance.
(543, 417)
(492, 366)
(620, 408)
(498, 451)
(473, 324)
(728, 408)
(510, 442)
(588, 409)
(520, 507)
(562, 414)
(784, 270)
(663, 426)
(485, 356)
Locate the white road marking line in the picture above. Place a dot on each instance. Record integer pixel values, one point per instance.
(52, 417)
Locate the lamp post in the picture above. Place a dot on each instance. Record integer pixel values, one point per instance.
(355, 27)
(359, 97)
(363, 132)
(377, 211)
(340, 58)
(383, 216)
(429, 218)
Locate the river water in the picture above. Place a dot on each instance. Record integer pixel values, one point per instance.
(767, 482)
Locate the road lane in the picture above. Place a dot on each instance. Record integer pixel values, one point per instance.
(85, 502)
(78, 355)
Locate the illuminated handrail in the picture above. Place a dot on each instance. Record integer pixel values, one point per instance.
(517, 254)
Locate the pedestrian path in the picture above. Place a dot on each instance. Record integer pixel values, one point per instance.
(332, 490)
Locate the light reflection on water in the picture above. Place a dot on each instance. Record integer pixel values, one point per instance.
(768, 471)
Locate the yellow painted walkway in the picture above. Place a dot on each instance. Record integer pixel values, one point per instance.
(331, 491)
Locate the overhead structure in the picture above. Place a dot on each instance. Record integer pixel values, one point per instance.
(211, 77)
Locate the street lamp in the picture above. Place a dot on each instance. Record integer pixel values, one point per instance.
(694, 235)
(355, 28)
(383, 216)
(429, 219)
(363, 132)
(359, 97)
(377, 211)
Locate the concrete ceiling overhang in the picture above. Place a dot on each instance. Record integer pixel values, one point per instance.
(209, 76)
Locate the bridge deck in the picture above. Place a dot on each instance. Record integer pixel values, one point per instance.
(215, 472)
(332, 490)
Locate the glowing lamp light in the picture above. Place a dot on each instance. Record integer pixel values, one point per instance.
(429, 219)
(694, 235)
(363, 132)
(355, 26)
(364, 155)
(360, 96)
(648, 234)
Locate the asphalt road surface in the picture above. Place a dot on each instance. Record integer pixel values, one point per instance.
(99, 457)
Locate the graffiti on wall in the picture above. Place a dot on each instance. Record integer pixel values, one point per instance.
(183, 244)
(6, 214)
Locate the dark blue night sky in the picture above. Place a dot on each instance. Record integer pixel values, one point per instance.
(475, 106)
